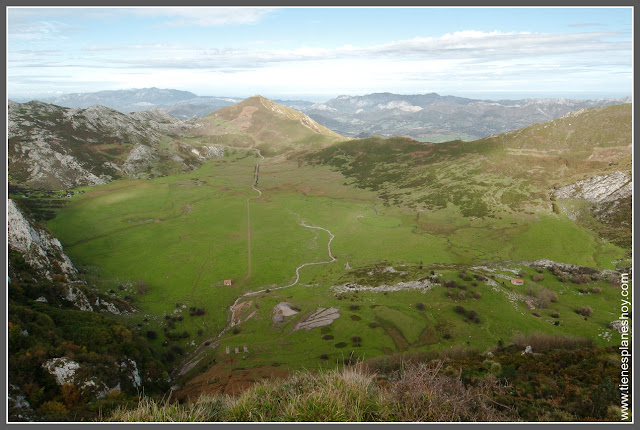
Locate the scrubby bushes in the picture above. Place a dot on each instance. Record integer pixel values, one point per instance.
(421, 392)
(585, 311)
(541, 342)
(542, 296)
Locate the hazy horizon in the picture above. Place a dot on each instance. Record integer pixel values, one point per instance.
(320, 98)
(317, 54)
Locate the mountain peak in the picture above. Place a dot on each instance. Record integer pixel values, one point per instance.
(273, 126)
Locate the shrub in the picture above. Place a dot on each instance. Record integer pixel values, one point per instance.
(537, 278)
(581, 278)
(236, 330)
(373, 324)
(450, 284)
(356, 339)
(324, 356)
(420, 306)
(585, 311)
(541, 342)
(54, 411)
(596, 290)
(141, 286)
(555, 315)
(327, 337)
(423, 394)
(151, 334)
(544, 297)
(341, 344)
(459, 309)
(462, 295)
(355, 317)
(197, 311)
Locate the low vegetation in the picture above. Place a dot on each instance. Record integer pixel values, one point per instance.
(456, 385)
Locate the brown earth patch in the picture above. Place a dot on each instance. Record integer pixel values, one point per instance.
(224, 379)
(244, 118)
(417, 154)
(395, 334)
(238, 310)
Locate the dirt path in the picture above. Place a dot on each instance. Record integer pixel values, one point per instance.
(194, 358)
(256, 172)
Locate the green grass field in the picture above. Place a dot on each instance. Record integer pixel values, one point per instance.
(168, 243)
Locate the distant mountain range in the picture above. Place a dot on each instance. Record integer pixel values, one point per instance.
(181, 104)
(435, 118)
(423, 117)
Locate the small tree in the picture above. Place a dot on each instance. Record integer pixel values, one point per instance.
(585, 311)
(141, 286)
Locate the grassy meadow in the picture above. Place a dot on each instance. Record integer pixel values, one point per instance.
(167, 244)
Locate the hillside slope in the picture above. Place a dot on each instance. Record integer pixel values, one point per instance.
(52, 147)
(264, 124)
(517, 171)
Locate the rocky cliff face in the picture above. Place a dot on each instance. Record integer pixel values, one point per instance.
(608, 209)
(599, 189)
(44, 254)
(40, 249)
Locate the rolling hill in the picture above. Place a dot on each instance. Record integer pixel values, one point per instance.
(261, 123)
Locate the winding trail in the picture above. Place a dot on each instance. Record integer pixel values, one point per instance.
(234, 319)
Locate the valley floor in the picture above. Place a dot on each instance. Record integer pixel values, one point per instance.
(400, 280)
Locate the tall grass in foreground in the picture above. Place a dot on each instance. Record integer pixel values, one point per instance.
(419, 393)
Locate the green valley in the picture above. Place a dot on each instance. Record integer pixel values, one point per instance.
(336, 253)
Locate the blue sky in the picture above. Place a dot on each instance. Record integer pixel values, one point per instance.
(319, 53)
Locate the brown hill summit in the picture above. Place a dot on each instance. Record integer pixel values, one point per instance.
(264, 124)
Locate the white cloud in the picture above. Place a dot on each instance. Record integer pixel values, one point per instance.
(205, 17)
(36, 30)
(471, 46)
(451, 62)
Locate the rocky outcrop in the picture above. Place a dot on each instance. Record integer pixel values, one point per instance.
(44, 254)
(319, 318)
(609, 199)
(82, 375)
(599, 189)
(282, 310)
(40, 249)
(51, 147)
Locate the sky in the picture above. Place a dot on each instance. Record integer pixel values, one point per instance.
(319, 53)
